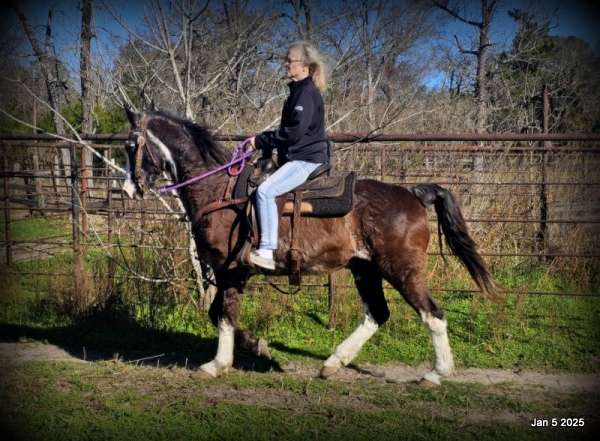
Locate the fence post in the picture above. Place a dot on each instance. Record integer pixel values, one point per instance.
(39, 195)
(7, 236)
(83, 194)
(542, 235)
(78, 267)
(111, 263)
(331, 300)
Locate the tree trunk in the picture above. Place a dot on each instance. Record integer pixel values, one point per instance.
(484, 44)
(49, 68)
(86, 105)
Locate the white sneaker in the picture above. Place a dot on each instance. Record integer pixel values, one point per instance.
(262, 258)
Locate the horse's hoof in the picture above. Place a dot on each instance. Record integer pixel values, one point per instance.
(327, 371)
(425, 383)
(430, 380)
(263, 349)
(212, 370)
(200, 374)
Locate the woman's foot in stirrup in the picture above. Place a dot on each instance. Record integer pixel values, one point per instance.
(262, 258)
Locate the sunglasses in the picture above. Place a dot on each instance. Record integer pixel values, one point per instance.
(287, 60)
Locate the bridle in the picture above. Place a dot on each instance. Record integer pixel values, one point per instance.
(137, 141)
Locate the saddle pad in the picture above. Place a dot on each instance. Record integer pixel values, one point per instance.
(322, 187)
(325, 204)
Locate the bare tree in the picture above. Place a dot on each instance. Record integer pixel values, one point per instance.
(368, 41)
(302, 17)
(86, 101)
(85, 67)
(488, 8)
(49, 66)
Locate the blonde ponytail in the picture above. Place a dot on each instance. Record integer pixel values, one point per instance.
(317, 67)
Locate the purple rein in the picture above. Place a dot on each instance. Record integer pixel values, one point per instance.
(239, 156)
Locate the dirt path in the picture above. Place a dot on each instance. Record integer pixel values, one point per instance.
(11, 353)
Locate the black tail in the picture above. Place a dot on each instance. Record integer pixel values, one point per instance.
(457, 235)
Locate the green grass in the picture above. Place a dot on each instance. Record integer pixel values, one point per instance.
(523, 331)
(107, 400)
(35, 228)
(114, 401)
(533, 332)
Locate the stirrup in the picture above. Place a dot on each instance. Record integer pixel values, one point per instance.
(261, 261)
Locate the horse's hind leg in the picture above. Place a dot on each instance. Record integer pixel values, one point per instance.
(415, 292)
(369, 284)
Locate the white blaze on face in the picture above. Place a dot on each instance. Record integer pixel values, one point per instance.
(165, 152)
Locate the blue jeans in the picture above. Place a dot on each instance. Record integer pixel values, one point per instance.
(289, 176)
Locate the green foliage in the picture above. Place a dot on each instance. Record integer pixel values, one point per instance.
(9, 125)
(105, 119)
(33, 228)
(109, 119)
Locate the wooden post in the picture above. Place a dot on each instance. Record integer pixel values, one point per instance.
(83, 194)
(542, 235)
(546, 118)
(331, 299)
(7, 236)
(78, 267)
(39, 197)
(111, 263)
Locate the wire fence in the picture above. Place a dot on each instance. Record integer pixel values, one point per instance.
(525, 198)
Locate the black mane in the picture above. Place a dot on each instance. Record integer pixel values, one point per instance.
(207, 146)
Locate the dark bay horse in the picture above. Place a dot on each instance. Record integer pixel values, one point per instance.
(384, 236)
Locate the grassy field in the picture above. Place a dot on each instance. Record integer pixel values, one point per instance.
(117, 401)
(523, 331)
(112, 398)
(37, 228)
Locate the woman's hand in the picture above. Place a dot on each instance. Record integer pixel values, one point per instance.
(253, 142)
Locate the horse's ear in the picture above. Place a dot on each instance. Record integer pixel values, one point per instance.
(153, 106)
(132, 115)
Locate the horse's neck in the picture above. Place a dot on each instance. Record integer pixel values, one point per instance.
(200, 193)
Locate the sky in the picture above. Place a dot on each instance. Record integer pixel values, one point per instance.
(575, 17)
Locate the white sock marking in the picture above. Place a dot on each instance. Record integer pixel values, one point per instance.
(444, 362)
(224, 358)
(350, 347)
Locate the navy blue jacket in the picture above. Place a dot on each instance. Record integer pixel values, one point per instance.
(301, 134)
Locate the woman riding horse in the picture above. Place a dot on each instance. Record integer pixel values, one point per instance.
(384, 236)
(300, 142)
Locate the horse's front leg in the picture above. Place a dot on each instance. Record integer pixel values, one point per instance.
(224, 313)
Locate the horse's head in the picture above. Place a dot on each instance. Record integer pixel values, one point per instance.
(160, 143)
(145, 161)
